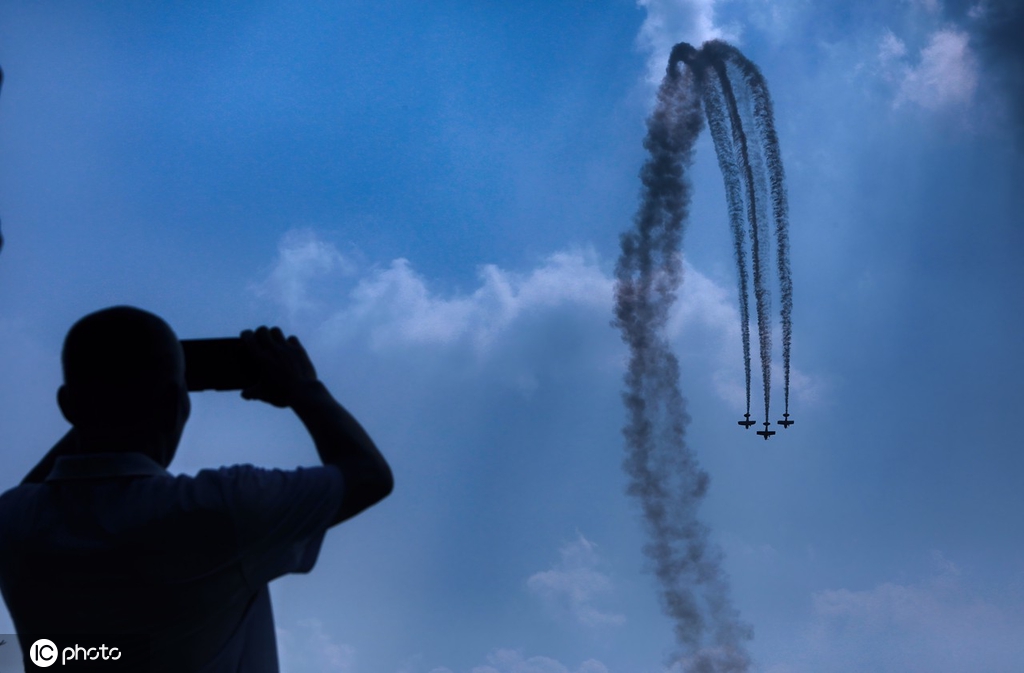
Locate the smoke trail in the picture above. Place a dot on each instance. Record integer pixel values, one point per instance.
(712, 54)
(1, 231)
(713, 106)
(663, 471)
(764, 121)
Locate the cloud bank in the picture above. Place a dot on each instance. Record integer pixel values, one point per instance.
(573, 584)
(513, 661)
(939, 625)
(943, 75)
(394, 308)
(308, 648)
(510, 661)
(995, 28)
(671, 21)
(973, 49)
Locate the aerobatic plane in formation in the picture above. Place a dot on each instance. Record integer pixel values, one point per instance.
(766, 433)
(747, 423)
(785, 423)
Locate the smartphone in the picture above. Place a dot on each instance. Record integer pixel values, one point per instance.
(218, 364)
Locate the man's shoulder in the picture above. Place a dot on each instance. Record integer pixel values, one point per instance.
(12, 493)
(245, 481)
(10, 503)
(16, 497)
(244, 473)
(280, 516)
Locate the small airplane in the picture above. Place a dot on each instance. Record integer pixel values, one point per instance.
(747, 423)
(766, 433)
(785, 423)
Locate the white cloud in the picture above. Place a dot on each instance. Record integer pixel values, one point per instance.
(980, 10)
(573, 584)
(779, 20)
(803, 387)
(511, 661)
(891, 50)
(505, 660)
(945, 76)
(395, 308)
(707, 305)
(672, 21)
(398, 307)
(307, 648)
(301, 257)
(929, 6)
(938, 625)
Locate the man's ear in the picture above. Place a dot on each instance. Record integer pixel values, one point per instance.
(65, 401)
(173, 403)
(184, 405)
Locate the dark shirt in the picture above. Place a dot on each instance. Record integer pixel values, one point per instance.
(114, 544)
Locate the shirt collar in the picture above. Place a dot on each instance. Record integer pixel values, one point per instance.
(100, 465)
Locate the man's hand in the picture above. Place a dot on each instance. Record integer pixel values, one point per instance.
(287, 379)
(285, 368)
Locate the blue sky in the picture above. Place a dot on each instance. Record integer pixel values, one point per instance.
(431, 194)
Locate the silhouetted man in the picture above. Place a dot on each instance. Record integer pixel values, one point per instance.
(101, 539)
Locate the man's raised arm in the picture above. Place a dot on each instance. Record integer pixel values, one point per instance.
(288, 379)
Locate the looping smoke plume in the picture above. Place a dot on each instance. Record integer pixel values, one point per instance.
(663, 472)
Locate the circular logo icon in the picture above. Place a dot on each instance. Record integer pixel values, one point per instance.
(43, 653)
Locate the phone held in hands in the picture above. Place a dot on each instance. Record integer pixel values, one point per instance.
(218, 364)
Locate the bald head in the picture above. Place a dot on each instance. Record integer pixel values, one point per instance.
(122, 347)
(124, 371)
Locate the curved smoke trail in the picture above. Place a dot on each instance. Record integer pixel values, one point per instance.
(712, 58)
(663, 471)
(764, 121)
(713, 106)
